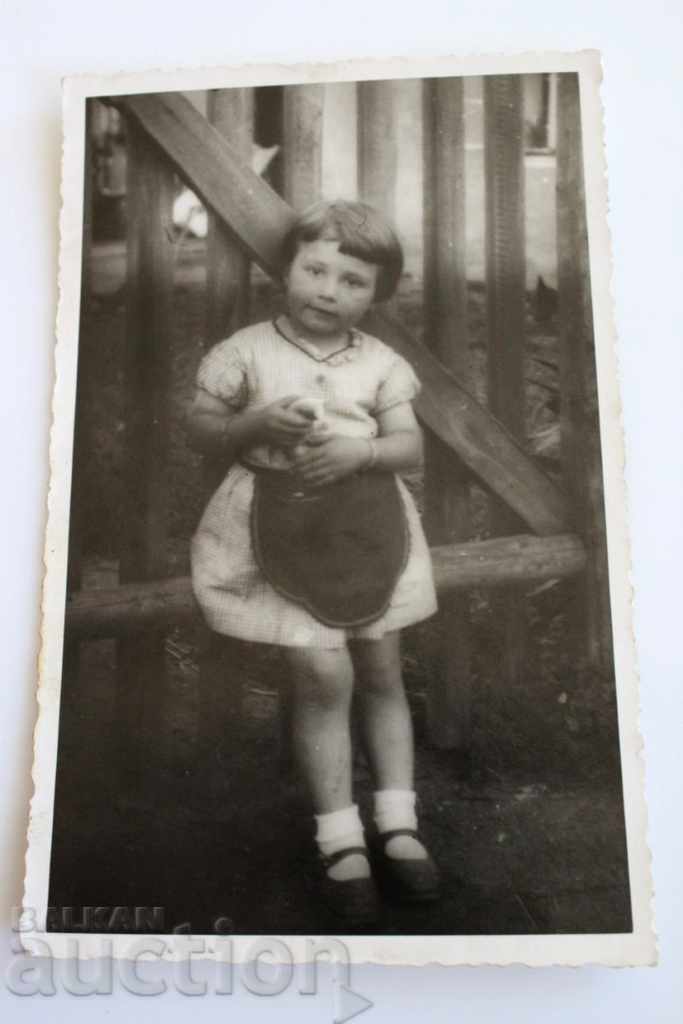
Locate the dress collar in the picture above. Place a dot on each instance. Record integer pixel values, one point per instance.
(341, 355)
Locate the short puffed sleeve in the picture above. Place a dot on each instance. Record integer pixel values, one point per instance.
(400, 384)
(223, 374)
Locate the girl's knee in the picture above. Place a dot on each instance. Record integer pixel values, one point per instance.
(322, 678)
(378, 664)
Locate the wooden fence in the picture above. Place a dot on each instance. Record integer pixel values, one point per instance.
(545, 532)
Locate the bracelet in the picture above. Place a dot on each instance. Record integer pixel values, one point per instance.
(373, 454)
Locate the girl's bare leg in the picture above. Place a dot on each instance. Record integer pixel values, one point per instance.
(386, 724)
(385, 715)
(323, 685)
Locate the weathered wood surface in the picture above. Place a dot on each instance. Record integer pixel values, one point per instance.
(259, 218)
(254, 214)
(136, 607)
(447, 518)
(505, 251)
(149, 320)
(505, 310)
(302, 144)
(480, 440)
(507, 560)
(377, 145)
(377, 150)
(231, 112)
(580, 425)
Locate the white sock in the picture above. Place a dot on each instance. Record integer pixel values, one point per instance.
(336, 831)
(395, 808)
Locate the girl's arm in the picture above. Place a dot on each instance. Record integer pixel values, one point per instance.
(399, 445)
(213, 427)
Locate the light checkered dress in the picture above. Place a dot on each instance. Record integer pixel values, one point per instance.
(253, 368)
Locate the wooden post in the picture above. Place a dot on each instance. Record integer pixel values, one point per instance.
(378, 151)
(149, 324)
(552, 110)
(505, 294)
(302, 144)
(579, 403)
(231, 111)
(445, 305)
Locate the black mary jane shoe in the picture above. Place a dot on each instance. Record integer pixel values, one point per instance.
(406, 880)
(354, 901)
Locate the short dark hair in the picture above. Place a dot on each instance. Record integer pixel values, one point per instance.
(362, 231)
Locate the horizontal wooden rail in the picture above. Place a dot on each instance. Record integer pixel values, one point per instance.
(133, 607)
(258, 218)
(505, 560)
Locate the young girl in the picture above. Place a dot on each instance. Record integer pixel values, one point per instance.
(313, 543)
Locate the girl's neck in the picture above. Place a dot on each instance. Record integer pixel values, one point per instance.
(326, 343)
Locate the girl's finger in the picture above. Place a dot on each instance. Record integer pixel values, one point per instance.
(287, 400)
(296, 421)
(312, 457)
(293, 428)
(321, 481)
(316, 440)
(315, 474)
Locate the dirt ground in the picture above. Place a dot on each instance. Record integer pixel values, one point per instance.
(182, 796)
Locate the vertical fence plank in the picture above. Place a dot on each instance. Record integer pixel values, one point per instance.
(377, 150)
(377, 160)
(302, 144)
(591, 625)
(505, 293)
(149, 323)
(445, 305)
(231, 111)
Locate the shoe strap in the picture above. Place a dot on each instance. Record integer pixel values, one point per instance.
(386, 836)
(329, 860)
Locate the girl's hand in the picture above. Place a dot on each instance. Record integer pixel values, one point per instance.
(325, 460)
(281, 425)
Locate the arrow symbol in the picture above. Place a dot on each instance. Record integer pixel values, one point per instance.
(349, 1004)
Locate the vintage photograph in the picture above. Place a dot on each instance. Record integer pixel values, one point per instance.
(336, 629)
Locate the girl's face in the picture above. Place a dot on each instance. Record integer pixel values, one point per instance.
(327, 291)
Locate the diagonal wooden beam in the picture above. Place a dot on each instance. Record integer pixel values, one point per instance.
(481, 441)
(258, 218)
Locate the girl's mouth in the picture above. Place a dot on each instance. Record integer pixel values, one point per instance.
(322, 312)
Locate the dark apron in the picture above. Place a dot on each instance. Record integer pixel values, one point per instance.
(337, 550)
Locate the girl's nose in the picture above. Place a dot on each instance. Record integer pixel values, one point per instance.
(327, 288)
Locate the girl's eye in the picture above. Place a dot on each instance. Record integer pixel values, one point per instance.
(315, 271)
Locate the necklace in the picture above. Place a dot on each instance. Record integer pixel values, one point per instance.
(342, 354)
